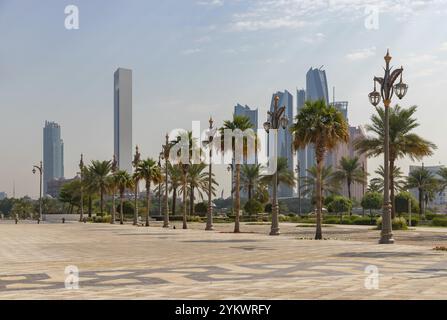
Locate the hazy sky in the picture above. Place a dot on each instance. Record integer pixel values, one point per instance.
(193, 58)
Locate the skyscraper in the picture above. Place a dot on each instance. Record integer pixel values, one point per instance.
(252, 114)
(123, 118)
(285, 137)
(53, 154)
(316, 85)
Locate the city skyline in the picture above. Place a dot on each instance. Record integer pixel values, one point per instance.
(71, 74)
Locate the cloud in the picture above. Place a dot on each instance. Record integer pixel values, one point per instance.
(318, 37)
(191, 51)
(294, 14)
(361, 54)
(211, 3)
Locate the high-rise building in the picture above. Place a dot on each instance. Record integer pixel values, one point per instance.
(252, 114)
(316, 85)
(3, 195)
(246, 111)
(123, 118)
(285, 137)
(53, 153)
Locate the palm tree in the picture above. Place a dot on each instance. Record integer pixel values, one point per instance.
(100, 170)
(329, 184)
(285, 175)
(424, 181)
(123, 181)
(400, 181)
(350, 171)
(241, 123)
(442, 173)
(198, 182)
(324, 127)
(148, 171)
(402, 141)
(176, 176)
(111, 188)
(250, 178)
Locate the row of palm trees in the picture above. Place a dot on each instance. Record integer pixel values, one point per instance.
(317, 124)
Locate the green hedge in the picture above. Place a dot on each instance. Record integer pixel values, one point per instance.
(439, 221)
(398, 223)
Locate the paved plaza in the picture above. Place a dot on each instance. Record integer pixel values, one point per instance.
(128, 262)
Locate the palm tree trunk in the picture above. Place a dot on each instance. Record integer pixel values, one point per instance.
(174, 200)
(421, 202)
(121, 208)
(318, 232)
(112, 221)
(191, 201)
(238, 199)
(90, 206)
(392, 193)
(349, 195)
(148, 199)
(102, 202)
(135, 213)
(185, 225)
(250, 187)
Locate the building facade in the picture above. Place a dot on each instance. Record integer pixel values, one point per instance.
(123, 118)
(53, 153)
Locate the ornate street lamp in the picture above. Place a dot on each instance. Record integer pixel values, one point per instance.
(136, 161)
(211, 133)
(165, 156)
(40, 169)
(160, 156)
(81, 175)
(276, 119)
(387, 90)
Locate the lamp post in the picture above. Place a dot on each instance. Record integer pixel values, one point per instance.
(81, 175)
(159, 184)
(166, 148)
(298, 182)
(136, 161)
(114, 169)
(387, 90)
(40, 169)
(275, 120)
(209, 216)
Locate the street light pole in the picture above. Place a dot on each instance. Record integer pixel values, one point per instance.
(114, 169)
(81, 202)
(136, 161)
(159, 185)
(275, 120)
(209, 216)
(387, 90)
(166, 158)
(40, 169)
(298, 181)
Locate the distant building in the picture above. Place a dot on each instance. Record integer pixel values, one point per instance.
(348, 151)
(53, 153)
(252, 114)
(285, 137)
(54, 186)
(440, 197)
(123, 118)
(3, 195)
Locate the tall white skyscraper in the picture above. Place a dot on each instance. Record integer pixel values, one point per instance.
(123, 118)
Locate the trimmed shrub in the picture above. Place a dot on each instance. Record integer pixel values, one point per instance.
(201, 207)
(398, 223)
(430, 215)
(253, 207)
(340, 204)
(414, 219)
(401, 202)
(439, 221)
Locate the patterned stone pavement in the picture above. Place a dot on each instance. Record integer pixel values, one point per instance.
(127, 262)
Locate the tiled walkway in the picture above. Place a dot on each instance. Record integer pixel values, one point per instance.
(154, 263)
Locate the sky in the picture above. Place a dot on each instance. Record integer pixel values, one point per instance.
(196, 58)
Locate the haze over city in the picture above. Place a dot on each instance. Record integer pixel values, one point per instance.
(193, 59)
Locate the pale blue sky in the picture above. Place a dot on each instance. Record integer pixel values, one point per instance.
(193, 58)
